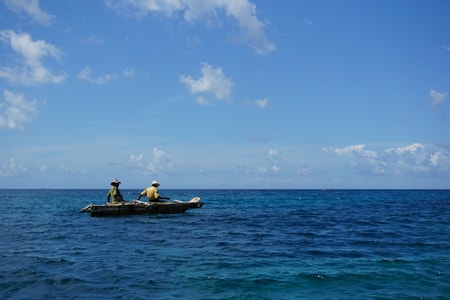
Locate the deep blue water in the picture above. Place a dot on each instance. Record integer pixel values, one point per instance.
(242, 244)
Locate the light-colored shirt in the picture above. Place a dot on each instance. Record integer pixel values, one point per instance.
(151, 193)
(115, 194)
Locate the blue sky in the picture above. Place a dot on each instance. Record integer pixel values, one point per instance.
(225, 94)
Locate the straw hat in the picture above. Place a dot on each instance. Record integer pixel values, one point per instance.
(155, 183)
(115, 181)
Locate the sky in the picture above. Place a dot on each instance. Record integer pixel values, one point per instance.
(225, 94)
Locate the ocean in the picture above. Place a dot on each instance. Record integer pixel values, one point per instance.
(242, 244)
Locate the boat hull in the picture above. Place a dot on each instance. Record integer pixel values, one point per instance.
(139, 207)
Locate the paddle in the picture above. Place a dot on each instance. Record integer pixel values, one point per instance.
(160, 198)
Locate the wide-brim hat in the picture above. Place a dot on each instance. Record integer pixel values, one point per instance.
(155, 183)
(115, 181)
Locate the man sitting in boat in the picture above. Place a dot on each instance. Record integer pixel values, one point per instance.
(152, 193)
(114, 192)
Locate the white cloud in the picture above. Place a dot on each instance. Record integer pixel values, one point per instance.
(275, 159)
(437, 98)
(136, 158)
(140, 8)
(354, 150)
(242, 12)
(12, 168)
(85, 74)
(273, 153)
(93, 40)
(262, 103)
(307, 22)
(128, 72)
(416, 158)
(15, 111)
(304, 171)
(412, 149)
(440, 161)
(30, 70)
(31, 8)
(203, 101)
(213, 81)
(262, 169)
(67, 170)
(159, 162)
(361, 158)
(159, 155)
(435, 158)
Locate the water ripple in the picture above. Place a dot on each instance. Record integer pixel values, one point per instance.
(243, 244)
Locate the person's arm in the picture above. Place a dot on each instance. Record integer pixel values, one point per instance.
(119, 196)
(156, 194)
(142, 194)
(108, 196)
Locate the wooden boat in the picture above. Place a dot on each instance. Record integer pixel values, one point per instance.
(136, 207)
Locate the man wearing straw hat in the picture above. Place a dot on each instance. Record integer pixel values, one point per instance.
(152, 193)
(114, 192)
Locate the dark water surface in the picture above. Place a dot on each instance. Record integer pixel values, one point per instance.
(242, 244)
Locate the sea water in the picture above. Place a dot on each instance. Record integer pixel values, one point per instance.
(242, 244)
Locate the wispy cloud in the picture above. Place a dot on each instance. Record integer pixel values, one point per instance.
(261, 103)
(353, 150)
(93, 40)
(136, 158)
(159, 161)
(275, 160)
(242, 12)
(30, 70)
(11, 168)
(272, 153)
(212, 81)
(203, 101)
(128, 72)
(85, 74)
(30, 8)
(307, 22)
(15, 111)
(413, 158)
(437, 98)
